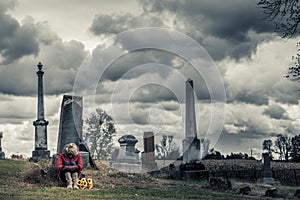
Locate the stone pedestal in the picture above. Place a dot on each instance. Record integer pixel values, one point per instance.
(128, 159)
(191, 150)
(40, 151)
(127, 167)
(40, 155)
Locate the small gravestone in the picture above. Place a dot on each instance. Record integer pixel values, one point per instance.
(245, 190)
(272, 192)
(128, 159)
(2, 154)
(218, 183)
(148, 158)
(267, 172)
(297, 193)
(114, 155)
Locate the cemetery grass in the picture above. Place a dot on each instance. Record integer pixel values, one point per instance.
(22, 180)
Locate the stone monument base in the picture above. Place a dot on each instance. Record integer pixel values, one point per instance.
(127, 167)
(2, 155)
(38, 155)
(150, 166)
(270, 181)
(85, 158)
(127, 159)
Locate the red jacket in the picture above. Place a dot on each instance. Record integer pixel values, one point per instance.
(63, 160)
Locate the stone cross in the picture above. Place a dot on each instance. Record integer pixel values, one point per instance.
(148, 159)
(191, 145)
(40, 149)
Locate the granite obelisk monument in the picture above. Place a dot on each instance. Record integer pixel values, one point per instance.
(191, 144)
(40, 149)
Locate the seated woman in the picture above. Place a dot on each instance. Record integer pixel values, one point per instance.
(69, 166)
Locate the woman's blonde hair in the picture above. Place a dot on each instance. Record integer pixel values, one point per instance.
(71, 148)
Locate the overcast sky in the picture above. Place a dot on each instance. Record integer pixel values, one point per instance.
(70, 36)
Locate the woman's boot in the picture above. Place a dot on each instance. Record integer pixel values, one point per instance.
(69, 180)
(75, 179)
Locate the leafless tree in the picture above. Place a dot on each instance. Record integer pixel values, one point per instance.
(267, 145)
(285, 15)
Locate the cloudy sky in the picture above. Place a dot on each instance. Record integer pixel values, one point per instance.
(83, 42)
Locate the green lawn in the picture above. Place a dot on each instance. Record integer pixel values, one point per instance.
(14, 186)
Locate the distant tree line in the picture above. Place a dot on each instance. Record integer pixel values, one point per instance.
(216, 155)
(17, 156)
(286, 148)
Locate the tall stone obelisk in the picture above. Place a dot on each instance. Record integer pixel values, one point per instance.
(40, 150)
(191, 144)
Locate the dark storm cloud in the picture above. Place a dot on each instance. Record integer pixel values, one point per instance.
(256, 97)
(152, 93)
(107, 24)
(231, 29)
(129, 61)
(61, 61)
(275, 111)
(16, 40)
(223, 28)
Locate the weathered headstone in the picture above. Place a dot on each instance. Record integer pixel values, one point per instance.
(128, 159)
(191, 144)
(148, 157)
(40, 150)
(114, 156)
(267, 172)
(2, 154)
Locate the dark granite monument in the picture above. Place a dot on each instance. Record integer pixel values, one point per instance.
(267, 172)
(40, 151)
(70, 125)
(2, 154)
(148, 157)
(70, 128)
(128, 157)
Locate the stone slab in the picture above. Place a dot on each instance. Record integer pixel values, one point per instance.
(126, 167)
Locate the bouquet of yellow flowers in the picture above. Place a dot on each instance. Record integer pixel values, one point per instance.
(85, 183)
